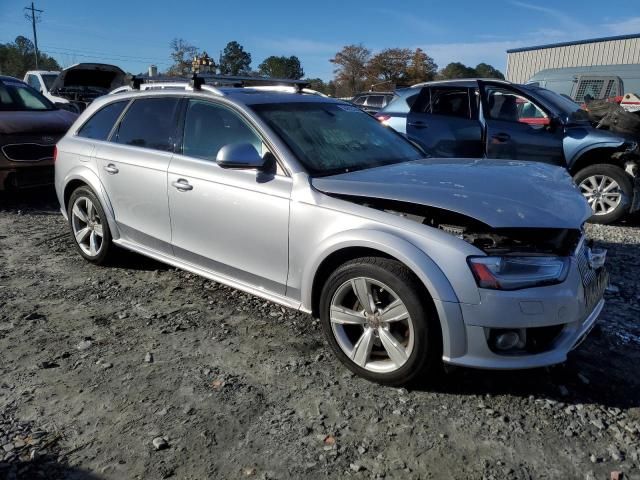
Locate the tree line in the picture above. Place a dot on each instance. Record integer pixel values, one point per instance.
(18, 57)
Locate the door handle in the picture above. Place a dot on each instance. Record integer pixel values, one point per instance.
(182, 185)
(501, 137)
(111, 168)
(417, 124)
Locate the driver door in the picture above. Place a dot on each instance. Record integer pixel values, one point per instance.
(517, 127)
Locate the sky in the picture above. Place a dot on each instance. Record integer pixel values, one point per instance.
(134, 34)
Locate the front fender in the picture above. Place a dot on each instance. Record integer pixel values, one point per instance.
(415, 259)
(580, 140)
(86, 175)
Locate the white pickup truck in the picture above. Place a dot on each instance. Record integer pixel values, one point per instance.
(78, 85)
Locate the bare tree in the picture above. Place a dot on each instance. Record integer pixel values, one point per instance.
(182, 53)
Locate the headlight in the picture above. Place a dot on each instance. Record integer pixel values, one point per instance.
(512, 273)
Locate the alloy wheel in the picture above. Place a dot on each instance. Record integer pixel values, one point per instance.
(372, 325)
(602, 192)
(87, 226)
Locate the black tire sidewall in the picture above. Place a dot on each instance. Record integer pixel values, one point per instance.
(402, 281)
(623, 180)
(106, 232)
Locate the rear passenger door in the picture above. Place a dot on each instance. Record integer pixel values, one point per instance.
(133, 168)
(234, 222)
(443, 120)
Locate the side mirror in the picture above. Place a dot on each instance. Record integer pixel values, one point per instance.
(239, 155)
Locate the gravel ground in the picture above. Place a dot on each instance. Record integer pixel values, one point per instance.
(144, 371)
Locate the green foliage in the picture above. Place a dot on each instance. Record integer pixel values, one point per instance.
(456, 70)
(18, 57)
(484, 70)
(281, 67)
(234, 60)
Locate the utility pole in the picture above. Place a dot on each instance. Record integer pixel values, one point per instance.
(33, 16)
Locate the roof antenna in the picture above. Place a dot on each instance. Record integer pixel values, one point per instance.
(196, 82)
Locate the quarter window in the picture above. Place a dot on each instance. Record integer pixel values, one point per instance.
(149, 123)
(99, 126)
(209, 127)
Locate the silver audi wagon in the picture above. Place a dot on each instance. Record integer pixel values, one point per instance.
(311, 203)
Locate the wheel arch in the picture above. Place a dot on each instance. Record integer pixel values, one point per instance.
(600, 153)
(85, 177)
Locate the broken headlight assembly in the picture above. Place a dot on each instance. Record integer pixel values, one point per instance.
(516, 272)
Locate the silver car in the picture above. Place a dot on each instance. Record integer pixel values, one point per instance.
(311, 203)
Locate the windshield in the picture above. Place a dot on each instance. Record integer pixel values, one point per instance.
(330, 138)
(48, 79)
(565, 105)
(19, 96)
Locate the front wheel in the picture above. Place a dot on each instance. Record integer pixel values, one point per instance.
(608, 189)
(376, 319)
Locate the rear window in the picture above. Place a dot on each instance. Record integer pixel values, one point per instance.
(101, 123)
(150, 123)
(375, 101)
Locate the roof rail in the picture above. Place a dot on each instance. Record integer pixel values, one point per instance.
(241, 81)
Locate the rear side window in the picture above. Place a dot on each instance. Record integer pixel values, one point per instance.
(99, 126)
(451, 102)
(149, 123)
(375, 101)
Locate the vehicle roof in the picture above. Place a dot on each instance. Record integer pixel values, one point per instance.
(42, 71)
(11, 79)
(246, 95)
(374, 93)
(460, 82)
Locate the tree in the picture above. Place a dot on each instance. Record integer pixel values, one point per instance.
(390, 66)
(422, 68)
(18, 57)
(485, 70)
(281, 67)
(456, 70)
(351, 68)
(318, 85)
(234, 60)
(182, 54)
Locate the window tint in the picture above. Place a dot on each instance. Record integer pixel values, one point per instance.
(149, 123)
(452, 102)
(34, 82)
(99, 126)
(209, 127)
(375, 101)
(507, 106)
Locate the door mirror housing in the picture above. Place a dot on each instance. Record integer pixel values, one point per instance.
(239, 155)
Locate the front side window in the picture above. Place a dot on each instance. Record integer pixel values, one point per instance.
(100, 124)
(209, 127)
(331, 138)
(149, 123)
(16, 96)
(507, 106)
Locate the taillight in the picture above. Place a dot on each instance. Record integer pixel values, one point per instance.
(382, 118)
(55, 153)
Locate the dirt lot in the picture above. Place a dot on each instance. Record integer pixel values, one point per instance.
(98, 363)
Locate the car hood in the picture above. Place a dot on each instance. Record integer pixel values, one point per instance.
(499, 193)
(100, 75)
(36, 121)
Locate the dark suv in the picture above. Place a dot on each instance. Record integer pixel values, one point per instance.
(497, 119)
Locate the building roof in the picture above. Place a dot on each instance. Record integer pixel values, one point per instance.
(577, 42)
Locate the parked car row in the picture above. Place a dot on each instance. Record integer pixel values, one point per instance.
(311, 203)
(499, 120)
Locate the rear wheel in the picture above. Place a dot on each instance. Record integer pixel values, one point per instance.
(89, 226)
(374, 316)
(608, 189)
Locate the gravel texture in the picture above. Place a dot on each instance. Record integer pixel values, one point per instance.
(144, 371)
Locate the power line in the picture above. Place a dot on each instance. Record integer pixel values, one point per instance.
(34, 16)
(98, 53)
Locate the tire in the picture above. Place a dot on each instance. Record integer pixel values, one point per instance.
(86, 224)
(362, 340)
(589, 181)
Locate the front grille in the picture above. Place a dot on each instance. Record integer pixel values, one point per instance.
(31, 177)
(28, 152)
(587, 273)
